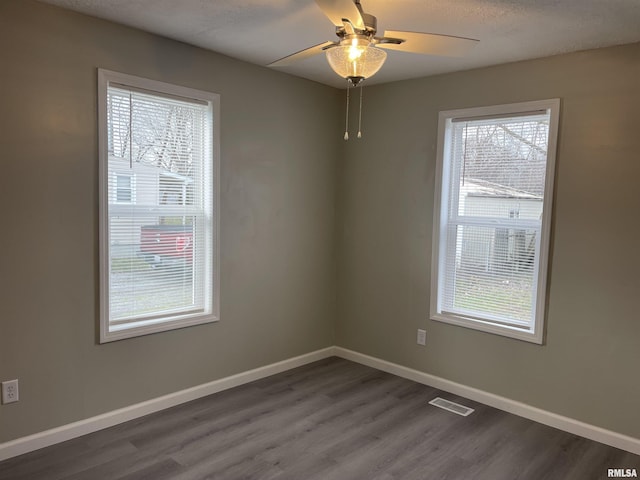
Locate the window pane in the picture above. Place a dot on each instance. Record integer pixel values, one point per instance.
(152, 267)
(491, 273)
(158, 252)
(500, 167)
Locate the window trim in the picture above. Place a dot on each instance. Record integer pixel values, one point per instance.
(445, 119)
(148, 326)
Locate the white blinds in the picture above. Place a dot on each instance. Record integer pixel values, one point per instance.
(159, 206)
(495, 197)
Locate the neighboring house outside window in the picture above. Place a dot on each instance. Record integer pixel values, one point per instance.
(159, 184)
(492, 217)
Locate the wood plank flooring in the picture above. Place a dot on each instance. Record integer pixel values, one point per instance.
(330, 420)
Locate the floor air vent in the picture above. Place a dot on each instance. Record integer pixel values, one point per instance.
(451, 406)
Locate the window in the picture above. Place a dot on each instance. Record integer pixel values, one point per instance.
(158, 206)
(492, 217)
(124, 188)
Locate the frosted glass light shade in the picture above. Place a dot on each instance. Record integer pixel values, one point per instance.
(357, 61)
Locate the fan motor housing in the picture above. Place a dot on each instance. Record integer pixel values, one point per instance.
(370, 23)
(370, 27)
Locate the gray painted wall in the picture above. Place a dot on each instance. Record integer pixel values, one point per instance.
(278, 206)
(588, 367)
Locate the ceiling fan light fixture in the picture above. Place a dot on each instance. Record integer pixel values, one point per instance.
(356, 60)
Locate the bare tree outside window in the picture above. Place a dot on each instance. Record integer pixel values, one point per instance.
(156, 134)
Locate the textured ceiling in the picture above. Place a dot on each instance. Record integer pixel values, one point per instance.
(261, 31)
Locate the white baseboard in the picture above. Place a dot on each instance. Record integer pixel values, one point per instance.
(39, 440)
(560, 422)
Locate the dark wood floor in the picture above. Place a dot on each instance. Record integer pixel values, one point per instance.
(332, 419)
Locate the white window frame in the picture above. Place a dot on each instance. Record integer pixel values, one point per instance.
(108, 332)
(532, 333)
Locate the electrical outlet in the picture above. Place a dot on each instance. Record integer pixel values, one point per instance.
(10, 391)
(422, 337)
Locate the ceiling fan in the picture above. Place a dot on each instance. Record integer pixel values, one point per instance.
(359, 54)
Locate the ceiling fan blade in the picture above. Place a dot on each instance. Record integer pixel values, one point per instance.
(337, 10)
(428, 43)
(301, 55)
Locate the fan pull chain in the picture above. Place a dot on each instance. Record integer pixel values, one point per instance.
(360, 115)
(346, 127)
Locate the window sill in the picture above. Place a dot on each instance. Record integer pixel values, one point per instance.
(112, 333)
(518, 333)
